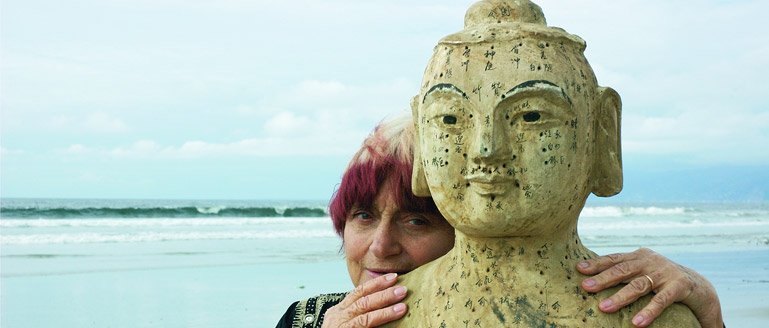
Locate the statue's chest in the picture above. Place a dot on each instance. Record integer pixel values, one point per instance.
(480, 308)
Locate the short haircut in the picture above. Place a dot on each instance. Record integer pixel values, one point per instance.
(388, 153)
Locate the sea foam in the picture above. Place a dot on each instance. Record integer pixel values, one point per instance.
(156, 222)
(83, 238)
(617, 211)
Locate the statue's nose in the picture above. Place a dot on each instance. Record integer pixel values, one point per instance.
(492, 143)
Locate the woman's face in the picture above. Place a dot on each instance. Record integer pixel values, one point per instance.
(383, 238)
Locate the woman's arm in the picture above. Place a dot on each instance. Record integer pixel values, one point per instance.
(671, 283)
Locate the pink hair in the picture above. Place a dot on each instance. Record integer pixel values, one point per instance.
(386, 154)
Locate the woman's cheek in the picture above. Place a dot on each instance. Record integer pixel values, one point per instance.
(354, 242)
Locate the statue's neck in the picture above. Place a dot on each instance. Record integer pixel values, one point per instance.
(521, 262)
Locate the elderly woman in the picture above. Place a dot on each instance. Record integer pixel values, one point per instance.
(387, 231)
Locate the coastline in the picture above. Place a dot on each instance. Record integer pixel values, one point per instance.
(248, 295)
(64, 265)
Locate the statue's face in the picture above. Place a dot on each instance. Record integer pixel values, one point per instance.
(505, 135)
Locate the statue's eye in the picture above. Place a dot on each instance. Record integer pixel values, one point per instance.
(449, 119)
(531, 117)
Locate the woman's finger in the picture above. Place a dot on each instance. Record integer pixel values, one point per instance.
(369, 287)
(651, 311)
(378, 317)
(601, 263)
(631, 292)
(369, 311)
(369, 305)
(618, 273)
(377, 300)
(672, 283)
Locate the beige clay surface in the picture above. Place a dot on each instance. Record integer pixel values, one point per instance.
(513, 134)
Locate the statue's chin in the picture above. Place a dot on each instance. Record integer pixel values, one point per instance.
(518, 221)
(490, 227)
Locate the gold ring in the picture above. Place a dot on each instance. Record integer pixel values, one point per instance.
(651, 287)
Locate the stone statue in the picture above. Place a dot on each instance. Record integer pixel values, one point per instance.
(513, 134)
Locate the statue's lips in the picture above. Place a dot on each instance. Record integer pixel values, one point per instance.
(489, 185)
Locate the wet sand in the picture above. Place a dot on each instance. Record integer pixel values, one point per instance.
(257, 294)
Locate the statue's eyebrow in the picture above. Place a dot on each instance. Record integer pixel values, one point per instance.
(442, 87)
(539, 86)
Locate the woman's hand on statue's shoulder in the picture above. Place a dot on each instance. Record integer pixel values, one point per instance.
(371, 304)
(669, 281)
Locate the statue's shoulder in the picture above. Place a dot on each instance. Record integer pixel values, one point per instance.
(676, 315)
(420, 282)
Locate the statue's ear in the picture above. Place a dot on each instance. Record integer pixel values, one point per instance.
(607, 166)
(418, 181)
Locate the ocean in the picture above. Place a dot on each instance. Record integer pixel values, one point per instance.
(205, 263)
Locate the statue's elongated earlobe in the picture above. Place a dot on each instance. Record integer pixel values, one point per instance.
(607, 166)
(418, 182)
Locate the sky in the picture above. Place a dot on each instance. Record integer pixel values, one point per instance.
(250, 99)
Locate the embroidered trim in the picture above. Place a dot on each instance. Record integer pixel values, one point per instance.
(309, 313)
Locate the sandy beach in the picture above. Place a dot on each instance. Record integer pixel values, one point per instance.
(207, 267)
(256, 295)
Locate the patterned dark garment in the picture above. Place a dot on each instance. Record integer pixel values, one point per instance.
(309, 313)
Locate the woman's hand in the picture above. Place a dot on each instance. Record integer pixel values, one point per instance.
(369, 305)
(671, 283)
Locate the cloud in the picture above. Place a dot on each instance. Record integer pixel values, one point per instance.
(313, 118)
(286, 124)
(98, 122)
(5, 151)
(58, 123)
(366, 101)
(713, 136)
(76, 149)
(139, 149)
(102, 122)
(246, 110)
(284, 143)
(342, 81)
(324, 110)
(312, 89)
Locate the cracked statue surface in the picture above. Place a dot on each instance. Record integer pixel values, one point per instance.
(513, 134)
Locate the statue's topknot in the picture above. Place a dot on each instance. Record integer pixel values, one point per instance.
(508, 21)
(504, 11)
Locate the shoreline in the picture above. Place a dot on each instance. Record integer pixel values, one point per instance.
(250, 295)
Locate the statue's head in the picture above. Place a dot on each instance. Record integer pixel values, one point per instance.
(513, 131)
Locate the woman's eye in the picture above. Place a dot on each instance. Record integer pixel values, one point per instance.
(417, 222)
(450, 119)
(361, 216)
(531, 117)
